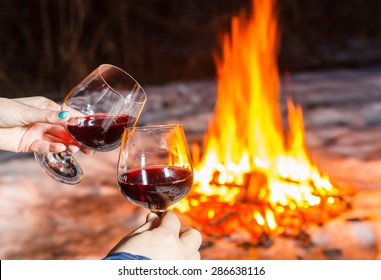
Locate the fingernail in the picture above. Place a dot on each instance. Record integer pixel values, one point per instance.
(63, 114)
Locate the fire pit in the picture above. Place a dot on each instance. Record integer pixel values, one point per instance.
(255, 178)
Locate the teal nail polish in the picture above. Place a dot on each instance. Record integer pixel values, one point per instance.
(63, 114)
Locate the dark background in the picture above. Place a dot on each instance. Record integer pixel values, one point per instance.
(48, 46)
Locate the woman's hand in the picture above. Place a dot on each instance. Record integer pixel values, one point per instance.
(162, 239)
(34, 124)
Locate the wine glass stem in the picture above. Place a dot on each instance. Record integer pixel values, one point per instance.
(159, 213)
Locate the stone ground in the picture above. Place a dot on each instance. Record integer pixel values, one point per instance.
(43, 219)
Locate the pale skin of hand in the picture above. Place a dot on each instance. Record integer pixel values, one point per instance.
(31, 124)
(162, 239)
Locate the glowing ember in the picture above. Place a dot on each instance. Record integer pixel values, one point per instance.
(254, 178)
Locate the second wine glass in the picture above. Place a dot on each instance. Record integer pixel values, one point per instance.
(154, 168)
(101, 106)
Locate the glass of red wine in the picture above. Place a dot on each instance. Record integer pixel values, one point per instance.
(154, 168)
(106, 102)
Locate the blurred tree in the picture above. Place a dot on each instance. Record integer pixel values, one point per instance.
(48, 46)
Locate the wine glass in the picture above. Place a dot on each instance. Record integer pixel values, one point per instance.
(154, 167)
(101, 106)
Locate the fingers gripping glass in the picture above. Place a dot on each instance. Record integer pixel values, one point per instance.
(101, 106)
(154, 168)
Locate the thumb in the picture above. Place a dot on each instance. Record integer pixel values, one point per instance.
(34, 115)
(151, 216)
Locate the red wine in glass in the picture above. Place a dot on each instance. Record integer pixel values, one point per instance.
(101, 106)
(157, 187)
(100, 132)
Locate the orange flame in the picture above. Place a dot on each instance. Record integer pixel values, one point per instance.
(248, 158)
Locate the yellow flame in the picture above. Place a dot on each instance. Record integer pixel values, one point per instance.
(258, 217)
(246, 134)
(270, 219)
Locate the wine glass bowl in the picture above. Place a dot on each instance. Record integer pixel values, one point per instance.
(154, 168)
(106, 102)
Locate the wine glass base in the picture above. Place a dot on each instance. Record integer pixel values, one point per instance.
(61, 167)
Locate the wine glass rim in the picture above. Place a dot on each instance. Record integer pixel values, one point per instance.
(155, 126)
(132, 78)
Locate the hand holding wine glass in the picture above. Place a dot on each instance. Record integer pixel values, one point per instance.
(155, 169)
(31, 124)
(101, 106)
(161, 239)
